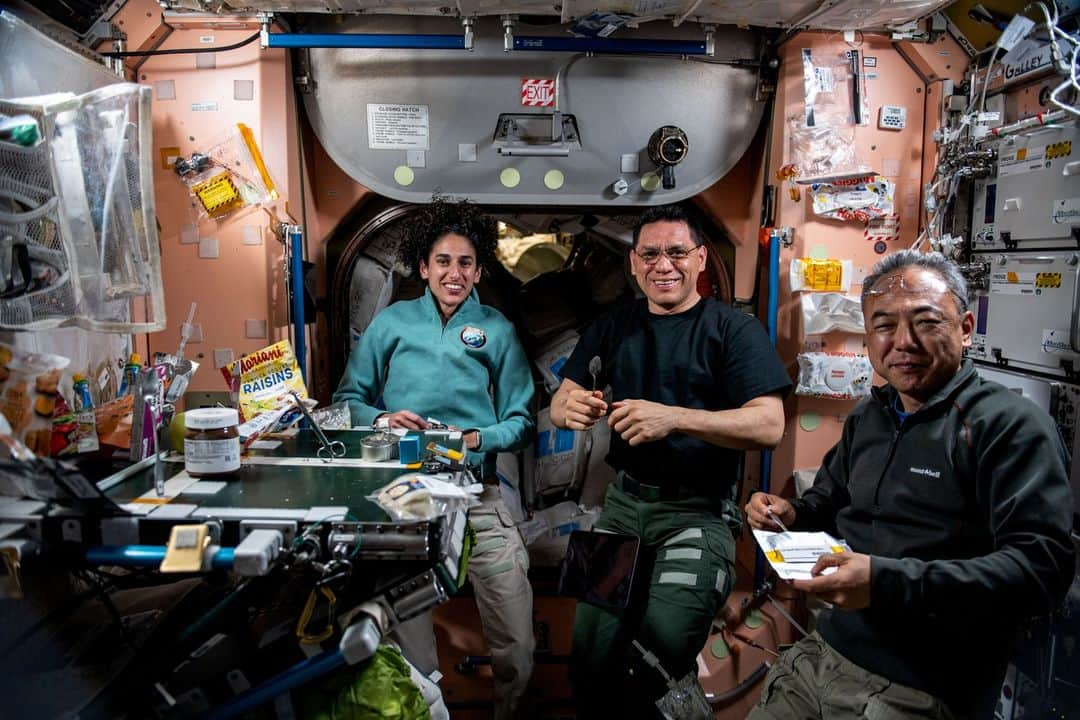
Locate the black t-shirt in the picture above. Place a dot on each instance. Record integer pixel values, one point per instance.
(710, 357)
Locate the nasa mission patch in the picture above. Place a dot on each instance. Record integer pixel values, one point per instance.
(473, 337)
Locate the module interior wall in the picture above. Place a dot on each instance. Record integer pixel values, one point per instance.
(245, 280)
(814, 425)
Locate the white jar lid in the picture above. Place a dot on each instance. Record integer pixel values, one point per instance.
(211, 418)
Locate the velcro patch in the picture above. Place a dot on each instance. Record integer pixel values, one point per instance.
(678, 578)
(687, 534)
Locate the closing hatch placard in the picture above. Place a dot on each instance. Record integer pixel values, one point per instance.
(397, 127)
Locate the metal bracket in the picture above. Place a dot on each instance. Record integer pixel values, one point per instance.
(768, 71)
(998, 359)
(936, 26)
(467, 24)
(710, 40)
(101, 31)
(786, 235)
(302, 79)
(1010, 244)
(1072, 374)
(304, 84)
(508, 32)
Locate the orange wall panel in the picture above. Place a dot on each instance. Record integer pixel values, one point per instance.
(814, 425)
(245, 281)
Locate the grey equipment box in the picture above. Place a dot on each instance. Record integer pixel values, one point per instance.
(1034, 203)
(1028, 319)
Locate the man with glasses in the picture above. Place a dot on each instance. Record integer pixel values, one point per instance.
(693, 382)
(953, 494)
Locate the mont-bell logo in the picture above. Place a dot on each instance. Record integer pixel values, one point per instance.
(927, 472)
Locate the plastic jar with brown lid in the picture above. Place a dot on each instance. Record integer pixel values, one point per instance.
(211, 442)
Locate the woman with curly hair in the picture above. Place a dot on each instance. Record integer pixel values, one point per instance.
(446, 356)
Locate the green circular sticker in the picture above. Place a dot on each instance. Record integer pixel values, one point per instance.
(553, 179)
(404, 175)
(809, 421)
(819, 252)
(510, 177)
(650, 181)
(753, 619)
(719, 648)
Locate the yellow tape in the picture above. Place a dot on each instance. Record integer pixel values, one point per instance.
(309, 609)
(256, 156)
(153, 500)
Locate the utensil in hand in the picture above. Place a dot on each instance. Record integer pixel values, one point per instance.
(594, 369)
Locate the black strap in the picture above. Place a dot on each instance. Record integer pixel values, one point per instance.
(20, 258)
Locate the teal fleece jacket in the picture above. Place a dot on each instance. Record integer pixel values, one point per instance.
(471, 373)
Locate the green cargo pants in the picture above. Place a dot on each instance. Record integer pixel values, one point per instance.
(685, 572)
(811, 681)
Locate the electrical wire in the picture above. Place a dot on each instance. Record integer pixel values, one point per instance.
(1055, 32)
(986, 79)
(752, 679)
(182, 51)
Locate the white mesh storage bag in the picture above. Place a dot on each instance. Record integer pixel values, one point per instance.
(78, 239)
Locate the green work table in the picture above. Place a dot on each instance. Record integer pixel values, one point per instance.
(314, 484)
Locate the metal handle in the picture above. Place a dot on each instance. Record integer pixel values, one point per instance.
(1074, 324)
(542, 151)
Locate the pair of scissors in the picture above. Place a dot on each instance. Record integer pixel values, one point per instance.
(328, 449)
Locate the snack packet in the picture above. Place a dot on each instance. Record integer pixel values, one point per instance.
(29, 388)
(72, 431)
(264, 379)
(840, 376)
(333, 417)
(273, 421)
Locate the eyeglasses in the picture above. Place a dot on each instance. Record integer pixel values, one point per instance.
(651, 256)
(896, 283)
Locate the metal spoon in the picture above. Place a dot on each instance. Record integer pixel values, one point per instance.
(594, 369)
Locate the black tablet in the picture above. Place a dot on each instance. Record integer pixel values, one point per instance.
(599, 568)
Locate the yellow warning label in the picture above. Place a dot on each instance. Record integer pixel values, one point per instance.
(1047, 280)
(1059, 150)
(1012, 277)
(1021, 154)
(774, 556)
(218, 194)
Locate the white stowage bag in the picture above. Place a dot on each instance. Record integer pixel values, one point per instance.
(430, 690)
(831, 312)
(840, 376)
(422, 497)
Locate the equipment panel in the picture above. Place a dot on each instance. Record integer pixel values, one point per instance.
(1036, 202)
(983, 206)
(1060, 400)
(1027, 319)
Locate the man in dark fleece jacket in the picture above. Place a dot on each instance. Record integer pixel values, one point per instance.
(953, 494)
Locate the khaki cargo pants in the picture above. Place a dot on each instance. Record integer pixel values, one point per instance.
(498, 571)
(812, 681)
